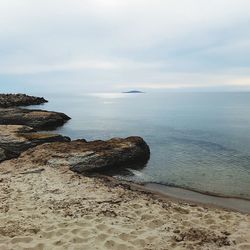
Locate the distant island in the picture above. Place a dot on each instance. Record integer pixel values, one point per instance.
(133, 92)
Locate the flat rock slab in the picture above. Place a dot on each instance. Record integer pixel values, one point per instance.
(81, 156)
(38, 119)
(13, 100)
(14, 139)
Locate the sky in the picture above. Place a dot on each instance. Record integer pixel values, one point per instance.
(117, 45)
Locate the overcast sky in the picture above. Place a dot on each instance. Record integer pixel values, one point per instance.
(113, 45)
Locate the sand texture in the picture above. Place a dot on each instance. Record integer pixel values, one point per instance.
(43, 207)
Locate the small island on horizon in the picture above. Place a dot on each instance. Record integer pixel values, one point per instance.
(133, 92)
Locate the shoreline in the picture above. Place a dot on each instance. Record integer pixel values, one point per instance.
(187, 189)
(178, 194)
(46, 205)
(225, 202)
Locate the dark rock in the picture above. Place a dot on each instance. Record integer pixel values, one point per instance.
(38, 119)
(5, 154)
(14, 139)
(114, 153)
(93, 156)
(13, 100)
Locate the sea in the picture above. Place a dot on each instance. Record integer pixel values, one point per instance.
(198, 141)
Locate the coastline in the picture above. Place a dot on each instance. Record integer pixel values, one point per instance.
(45, 205)
(202, 198)
(189, 196)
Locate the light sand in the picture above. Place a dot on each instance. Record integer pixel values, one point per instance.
(58, 209)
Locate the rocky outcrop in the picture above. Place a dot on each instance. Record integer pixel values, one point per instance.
(13, 100)
(38, 119)
(14, 139)
(17, 134)
(81, 156)
(5, 154)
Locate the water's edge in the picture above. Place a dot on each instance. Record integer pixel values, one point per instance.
(180, 192)
(195, 143)
(231, 203)
(183, 195)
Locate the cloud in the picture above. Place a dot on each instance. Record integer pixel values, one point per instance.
(19, 69)
(161, 43)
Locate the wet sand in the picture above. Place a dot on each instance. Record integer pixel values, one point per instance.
(236, 204)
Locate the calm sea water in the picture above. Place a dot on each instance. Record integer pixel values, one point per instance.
(197, 140)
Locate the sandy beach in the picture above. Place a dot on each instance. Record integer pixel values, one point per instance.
(44, 207)
(125, 125)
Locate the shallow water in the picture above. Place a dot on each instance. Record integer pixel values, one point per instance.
(198, 140)
(236, 204)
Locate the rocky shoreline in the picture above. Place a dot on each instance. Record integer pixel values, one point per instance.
(13, 100)
(18, 134)
(15, 139)
(46, 205)
(37, 119)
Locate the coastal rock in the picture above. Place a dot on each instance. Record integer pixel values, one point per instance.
(13, 100)
(5, 154)
(38, 119)
(14, 139)
(94, 156)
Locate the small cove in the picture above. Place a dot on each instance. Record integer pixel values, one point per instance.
(198, 141)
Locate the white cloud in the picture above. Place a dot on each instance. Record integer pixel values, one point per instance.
(132, 41)
(22, 69)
